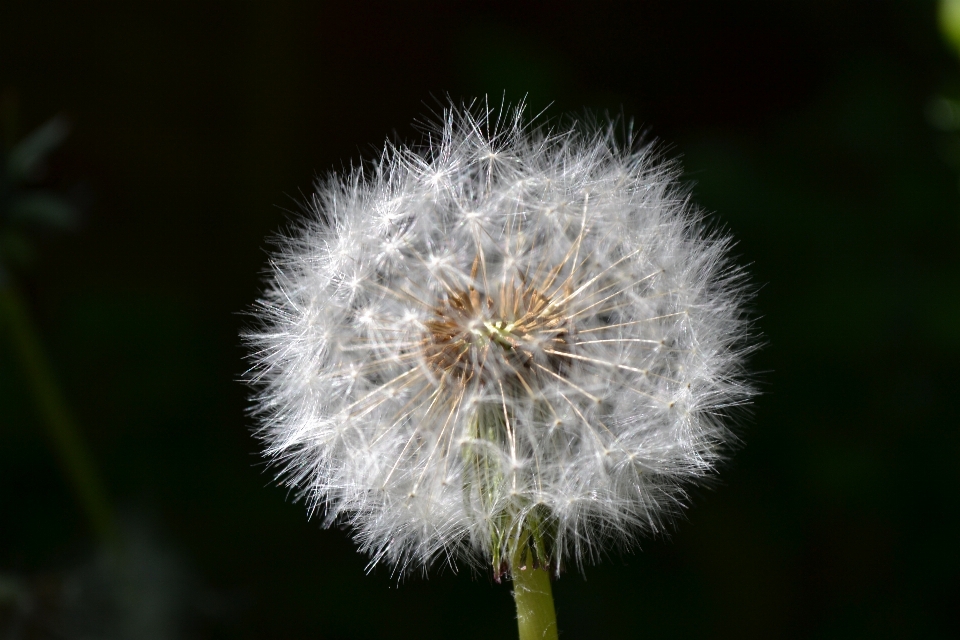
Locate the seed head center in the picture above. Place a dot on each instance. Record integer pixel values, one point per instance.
(479, 335)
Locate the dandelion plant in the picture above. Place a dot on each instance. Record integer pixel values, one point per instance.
(511, 347)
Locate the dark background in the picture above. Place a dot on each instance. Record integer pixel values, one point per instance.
(809, 128)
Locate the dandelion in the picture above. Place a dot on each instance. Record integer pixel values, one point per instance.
(512, 348)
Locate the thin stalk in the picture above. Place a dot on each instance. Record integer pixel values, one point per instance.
(61, 429)
(536, 617)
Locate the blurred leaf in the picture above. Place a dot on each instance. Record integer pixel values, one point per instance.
(28, 155)
(949, 18)
(44, 209)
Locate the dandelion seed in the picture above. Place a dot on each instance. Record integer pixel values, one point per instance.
(511, 347)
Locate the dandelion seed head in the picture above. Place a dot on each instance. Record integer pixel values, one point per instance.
(511, 336)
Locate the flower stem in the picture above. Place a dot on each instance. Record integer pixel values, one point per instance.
(536, 617)
(62, 430)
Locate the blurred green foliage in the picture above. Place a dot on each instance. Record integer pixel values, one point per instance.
(25, 205)
(949, 17)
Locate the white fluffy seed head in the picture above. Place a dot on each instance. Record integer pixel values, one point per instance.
(509, 339)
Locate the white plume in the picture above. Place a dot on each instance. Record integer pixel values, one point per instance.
(510, 336)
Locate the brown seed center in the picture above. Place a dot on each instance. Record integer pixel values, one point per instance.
(478, 335)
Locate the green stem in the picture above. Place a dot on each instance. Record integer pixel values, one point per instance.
(512, 537)
(536, 617)
(63, 432)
